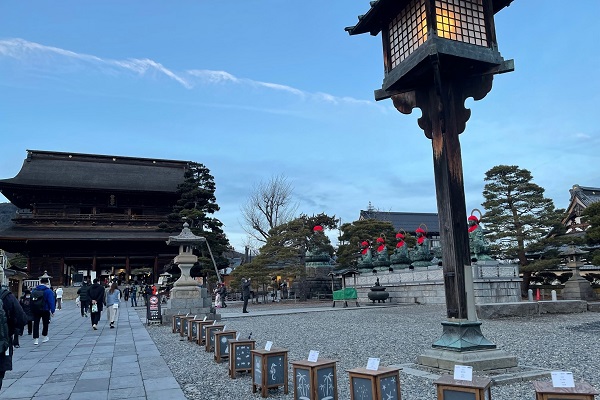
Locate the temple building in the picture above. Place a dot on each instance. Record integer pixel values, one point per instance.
(581, 198)
(92, 215)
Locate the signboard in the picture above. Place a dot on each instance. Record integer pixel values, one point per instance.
(153, 311)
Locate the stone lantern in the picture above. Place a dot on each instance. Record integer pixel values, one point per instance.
(577, 287)
(186, 296)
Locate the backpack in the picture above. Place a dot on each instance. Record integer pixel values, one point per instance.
(37, 300)
(4, 335)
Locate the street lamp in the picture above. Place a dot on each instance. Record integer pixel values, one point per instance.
(437, 53)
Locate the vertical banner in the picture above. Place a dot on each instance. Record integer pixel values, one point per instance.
(153, 311)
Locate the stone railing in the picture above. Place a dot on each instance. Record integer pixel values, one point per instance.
(493, 283)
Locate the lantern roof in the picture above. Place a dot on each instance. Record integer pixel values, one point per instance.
(573, 250)
(186, 237)
(381, 10)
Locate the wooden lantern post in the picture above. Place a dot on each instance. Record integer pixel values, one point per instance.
(437, 53)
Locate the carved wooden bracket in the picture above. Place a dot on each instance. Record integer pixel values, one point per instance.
(439, 108)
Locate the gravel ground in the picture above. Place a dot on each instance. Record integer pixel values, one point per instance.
(396, 335)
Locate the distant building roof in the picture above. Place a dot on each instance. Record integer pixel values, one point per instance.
(96, 172)
(587, 195)
(406, 221)
(581, 198)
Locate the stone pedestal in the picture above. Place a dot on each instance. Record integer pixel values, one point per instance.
(192, 300)
(578, 288)
(481, 360)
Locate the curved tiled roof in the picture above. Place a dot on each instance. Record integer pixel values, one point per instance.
(97, 172)
(405, 220)
(587, 195)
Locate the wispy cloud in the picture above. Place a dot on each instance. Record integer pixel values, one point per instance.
(39, 55)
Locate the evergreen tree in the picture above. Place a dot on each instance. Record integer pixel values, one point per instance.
(196, 205)
(517, 213)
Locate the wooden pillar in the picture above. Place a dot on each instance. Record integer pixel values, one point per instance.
(127, 269)
(155, 277)
(444, 118)
(94, 266)
(63, 274)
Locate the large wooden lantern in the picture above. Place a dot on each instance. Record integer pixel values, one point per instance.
(437, 53)
(422, 38)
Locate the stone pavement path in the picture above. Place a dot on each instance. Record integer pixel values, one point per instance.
(81, 363)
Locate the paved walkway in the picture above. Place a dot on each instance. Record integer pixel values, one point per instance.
(81, 363)
(122, 363)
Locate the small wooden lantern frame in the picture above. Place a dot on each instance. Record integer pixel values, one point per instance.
(201, 330)
(311, 377)
(176, 322)
(581, 391)
(269, 370)
(240, 357)
(209, 339)
(222, 339)
(192, 331)
(186, 325)
(477, 389)
(370, 382)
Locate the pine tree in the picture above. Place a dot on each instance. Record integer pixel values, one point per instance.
(196, 205)
(517, 213)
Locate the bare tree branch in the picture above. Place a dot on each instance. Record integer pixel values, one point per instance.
(269, 205)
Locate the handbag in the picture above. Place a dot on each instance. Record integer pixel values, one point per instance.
(94, 307)
(116, 305)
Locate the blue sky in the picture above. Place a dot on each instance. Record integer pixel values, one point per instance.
(256, 88)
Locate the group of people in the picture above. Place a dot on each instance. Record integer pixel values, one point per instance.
(94, 297)
(221, 293)
(34, 306)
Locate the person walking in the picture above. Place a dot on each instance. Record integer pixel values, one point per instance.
(222, 291)
(245, 293)
(113, 299)
(133, 296)
(42, 307)
(84, 297)
(25, 302)
(15, 323)
(59, 295)
(96, 293)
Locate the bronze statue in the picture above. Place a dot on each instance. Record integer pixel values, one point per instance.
(421, 254)
(366, 257)
(382, 258)
(400, 258)
(478, 245)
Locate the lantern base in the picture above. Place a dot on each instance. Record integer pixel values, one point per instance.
(462, 336)
(462, 343)
(481, 360)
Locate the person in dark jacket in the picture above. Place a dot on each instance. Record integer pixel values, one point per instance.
(96, 293)
(84, 298)
(245, 293)
(25, 303)
(16, 319)
(45, 313)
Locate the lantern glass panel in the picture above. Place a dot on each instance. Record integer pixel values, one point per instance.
(461, 20)
(407, 32)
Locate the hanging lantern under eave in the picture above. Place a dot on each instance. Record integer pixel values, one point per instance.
(416, 34)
